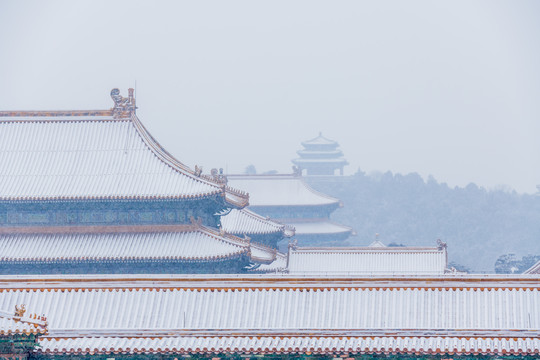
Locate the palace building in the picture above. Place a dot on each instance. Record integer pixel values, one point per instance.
(320, 156)
(289, 200)
(376, 259)
(275, 316)
(93, 191)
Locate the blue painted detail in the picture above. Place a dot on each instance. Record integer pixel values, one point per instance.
(110, 212)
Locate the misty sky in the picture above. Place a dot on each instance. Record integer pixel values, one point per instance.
(450, 89)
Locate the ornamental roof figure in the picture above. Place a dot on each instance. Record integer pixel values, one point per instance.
(320, 156)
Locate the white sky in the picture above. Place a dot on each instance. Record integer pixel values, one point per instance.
(448, 88)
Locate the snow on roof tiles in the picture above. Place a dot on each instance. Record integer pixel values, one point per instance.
(245, 221)
(425, 345)
(368, 260)
(482, 313)
(92, 155)
(279, 190)
(132, 243)
(13, 323)
(320, 140)
(318, 227)
(277, 266)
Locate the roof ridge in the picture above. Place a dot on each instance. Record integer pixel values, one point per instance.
(262, 219)
(56, 113)
(168, 159)
(124, 110)
(320, 136)
(162, 154)
(317, 192)
(97, 229)
(369, 249)
(38, 322)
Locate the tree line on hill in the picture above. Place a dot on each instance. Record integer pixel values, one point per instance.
(486, 230)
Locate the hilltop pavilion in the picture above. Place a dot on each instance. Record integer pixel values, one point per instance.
(320, 156)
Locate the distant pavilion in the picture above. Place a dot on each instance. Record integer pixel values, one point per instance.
(320, 156)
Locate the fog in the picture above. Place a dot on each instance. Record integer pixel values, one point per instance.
(449, 89)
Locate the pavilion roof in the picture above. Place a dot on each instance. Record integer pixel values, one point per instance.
(102, 154)
(320, 140)
(458, 314)
(280, 190)
(317, 227)
(248, 222)
(105, 243)
(279, 265)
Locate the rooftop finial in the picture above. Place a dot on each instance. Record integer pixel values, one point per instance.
(123, 107)
(320, 133)
(20, 310)
(441, 244)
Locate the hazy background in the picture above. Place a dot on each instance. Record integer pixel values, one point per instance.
(450, 89)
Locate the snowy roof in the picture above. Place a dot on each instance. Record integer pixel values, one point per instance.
(282, 313)
(64, 155)
(377, 243)
(245, 221)
(279, 190)
(103, 243)
(277, 266)
(388, 345)
(309, 161)
(320, 140)
(13, 323)
(367, 260)
(320, 153)
(262, 254)
(318, 226)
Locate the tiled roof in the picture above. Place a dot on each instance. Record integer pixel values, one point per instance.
(93, 155)
(320, 140)
(413, 345)
(477, 314)
(247, 222)
(166, 242)
(308, 161)
(279, 265)
(12, 323)
(368, 260)
(262, 254)
(318, 227)
(279, 190)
